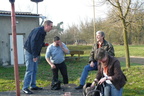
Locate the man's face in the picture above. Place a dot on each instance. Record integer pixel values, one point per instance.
(47, 28)
(99, 37)
(57, 42)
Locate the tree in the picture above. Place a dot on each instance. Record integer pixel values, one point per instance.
(122, 9)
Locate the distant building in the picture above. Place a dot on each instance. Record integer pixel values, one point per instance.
(25, 22)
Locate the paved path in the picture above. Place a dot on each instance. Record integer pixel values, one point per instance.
(48, 92)
(133, 59)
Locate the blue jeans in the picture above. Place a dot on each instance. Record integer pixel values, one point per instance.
(31, 71)
(110, 90)
(84, 74)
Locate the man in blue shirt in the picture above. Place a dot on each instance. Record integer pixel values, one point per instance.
(33, 46)
(55, 58)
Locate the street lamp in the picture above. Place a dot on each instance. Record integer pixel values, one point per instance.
(36, 1)
(11, 1)
(94, 20)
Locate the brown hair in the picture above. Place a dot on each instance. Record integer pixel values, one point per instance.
(100, 53)
(47, 22)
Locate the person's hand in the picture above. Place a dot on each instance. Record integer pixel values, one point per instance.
(35, 59)
(53, 66)
(102, 80)
(60, 44)
(92, 64)
(92, 85)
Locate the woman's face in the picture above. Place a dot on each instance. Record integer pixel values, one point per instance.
(103, 60)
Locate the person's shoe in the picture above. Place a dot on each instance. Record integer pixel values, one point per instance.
(27, 91)
(79, 87)
(36, 88)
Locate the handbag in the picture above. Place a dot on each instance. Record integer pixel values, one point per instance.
(56, 85)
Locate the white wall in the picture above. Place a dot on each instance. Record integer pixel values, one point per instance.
(23, 27)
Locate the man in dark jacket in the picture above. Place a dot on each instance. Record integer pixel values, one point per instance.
(101, 43)
(33, 46)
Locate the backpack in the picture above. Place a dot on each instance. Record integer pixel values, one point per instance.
(56, 85)
(96, 91)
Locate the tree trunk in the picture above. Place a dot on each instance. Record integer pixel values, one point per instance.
(126, 44)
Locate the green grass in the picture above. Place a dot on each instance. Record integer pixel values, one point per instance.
(134, 50)
(135, 75)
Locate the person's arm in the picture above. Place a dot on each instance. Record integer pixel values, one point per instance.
(36, 43)
(50, 63)
(117, 71)
(104, 79)
(64, 47)
(93, 83)
(91, 58)
(47, 57)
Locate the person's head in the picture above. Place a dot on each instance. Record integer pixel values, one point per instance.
(100, 36)
(56, 40)
(48, 25)
(101, 55)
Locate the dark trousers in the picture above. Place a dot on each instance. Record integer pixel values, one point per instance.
(63, 69)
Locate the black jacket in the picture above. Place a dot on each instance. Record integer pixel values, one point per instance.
(106, 46)
(35, 41)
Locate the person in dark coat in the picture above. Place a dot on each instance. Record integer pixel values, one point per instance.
(109, 73)
(33, 46)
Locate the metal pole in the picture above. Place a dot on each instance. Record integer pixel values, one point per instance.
(37, 7)
(94, 21)
(16, 72)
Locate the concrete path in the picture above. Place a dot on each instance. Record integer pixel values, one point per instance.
(48, 92)
(133, 59)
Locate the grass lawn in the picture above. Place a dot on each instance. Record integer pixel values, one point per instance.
(135, 75)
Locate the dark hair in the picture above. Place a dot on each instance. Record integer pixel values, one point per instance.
(100, 53)
(48, 22)
(56, 38)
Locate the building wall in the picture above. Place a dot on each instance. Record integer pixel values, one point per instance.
(24, 25)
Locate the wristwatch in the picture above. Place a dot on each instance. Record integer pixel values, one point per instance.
(106, 77)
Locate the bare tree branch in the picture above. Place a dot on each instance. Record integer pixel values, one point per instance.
(127, 9)
(110, 1)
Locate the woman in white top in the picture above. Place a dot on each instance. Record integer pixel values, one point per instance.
(109, 73)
